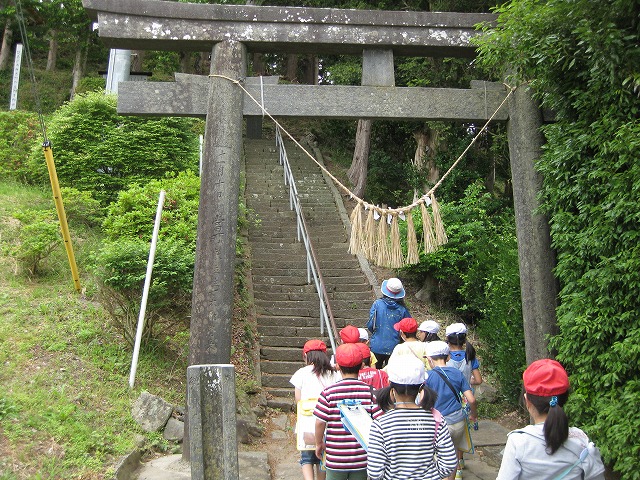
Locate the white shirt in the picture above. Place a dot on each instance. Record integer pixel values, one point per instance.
(311, 385)
(525, 457)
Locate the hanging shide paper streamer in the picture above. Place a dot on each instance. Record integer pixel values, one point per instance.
(384, 255)
(412, 241)
(369, 248)
(441, 235)
(397, 259)
(355, 242)
(427, 230)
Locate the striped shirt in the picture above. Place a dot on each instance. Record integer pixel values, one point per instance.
(402, 444)
(343, 452)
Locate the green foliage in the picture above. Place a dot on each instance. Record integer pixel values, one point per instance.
(38, 235)
(81, 207)
(97, 150)
(581, 59)
(122, 262)
(477, 271)
(133, 214)
(91, 84)
(18, 131)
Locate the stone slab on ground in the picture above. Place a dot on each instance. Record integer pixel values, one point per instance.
(489, 433)
(252, 466)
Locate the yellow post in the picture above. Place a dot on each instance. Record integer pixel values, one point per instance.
(57, 198)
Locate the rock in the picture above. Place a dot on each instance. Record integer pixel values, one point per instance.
(242, 430)
(280, 421)
(486, 392)
(173, 430)
(151, 412)
(428, 292)
(248, 427)
(279, 435)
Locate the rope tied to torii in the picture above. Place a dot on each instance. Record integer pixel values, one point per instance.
(381, 244)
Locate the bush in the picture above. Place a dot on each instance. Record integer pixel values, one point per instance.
(581, 58)
(38, 236)
(99, 151)
(478, 274)
(121, 268)
(81, 207)
(18, 131)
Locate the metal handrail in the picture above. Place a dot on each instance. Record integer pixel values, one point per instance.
(313, 267)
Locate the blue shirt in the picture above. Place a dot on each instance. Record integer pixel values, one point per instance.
(447, 403)
(384, 314)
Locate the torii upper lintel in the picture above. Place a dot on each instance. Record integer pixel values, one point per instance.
(177, 26)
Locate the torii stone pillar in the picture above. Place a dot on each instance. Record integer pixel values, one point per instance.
(213, 276)
(539, 287)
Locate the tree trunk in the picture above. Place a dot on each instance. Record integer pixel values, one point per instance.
(427, 145)
(185, 58)
(292, 67)
(53, 50)
(310, 70)
(137, 57)
(258, 64)
(358, 171)
(78, 69)
(5, 50)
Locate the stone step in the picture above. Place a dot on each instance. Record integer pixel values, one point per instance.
(286, 393)
(274, 380)
(286, 404)
(282, 341)
(286, 368)
(282, 354)
(289, 330)
(298, 322)
(365, 297)
(347, 288)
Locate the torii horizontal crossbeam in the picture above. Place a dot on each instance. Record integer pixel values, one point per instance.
(179, 26)
(189, 96)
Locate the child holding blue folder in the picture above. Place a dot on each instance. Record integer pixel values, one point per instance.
(345, 457)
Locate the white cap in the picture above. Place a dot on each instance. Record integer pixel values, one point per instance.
(364, 335)
(437, 348)
(406, 370)
(429, 326)
(455, 328)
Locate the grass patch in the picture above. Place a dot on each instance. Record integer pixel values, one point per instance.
(65, 403)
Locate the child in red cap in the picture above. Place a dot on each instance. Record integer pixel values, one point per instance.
(308, 382)
(345, 457)
(369, 375)
(408, 328)
(549, 448)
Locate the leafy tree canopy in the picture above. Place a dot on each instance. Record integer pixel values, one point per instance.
(582, 60)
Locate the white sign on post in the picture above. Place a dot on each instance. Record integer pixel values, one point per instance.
(13, 102)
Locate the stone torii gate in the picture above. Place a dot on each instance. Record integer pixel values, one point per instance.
(229, 32)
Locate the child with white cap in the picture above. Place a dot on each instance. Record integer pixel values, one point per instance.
(462, 355)
(450, 385)
(410, 441)
(428, 331)
(384, 314)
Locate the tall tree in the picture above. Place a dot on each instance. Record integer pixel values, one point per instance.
(583, 60)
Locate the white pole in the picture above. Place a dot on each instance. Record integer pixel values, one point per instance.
(201, 145)
(17, 62)
(145, 292)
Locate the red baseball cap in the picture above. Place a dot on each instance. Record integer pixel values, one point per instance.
(364, 349)
(350, 334)
(348, 355)
(314, 345)
(545, 378)
(407, 325)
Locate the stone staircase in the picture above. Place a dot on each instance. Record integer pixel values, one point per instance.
(288, 309)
